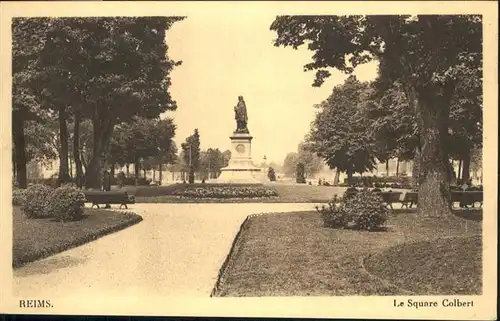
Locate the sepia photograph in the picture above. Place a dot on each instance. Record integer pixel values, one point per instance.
(232, 159)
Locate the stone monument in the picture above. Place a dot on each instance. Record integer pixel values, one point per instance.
(240, 168)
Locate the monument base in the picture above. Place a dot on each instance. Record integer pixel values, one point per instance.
(239, 176)
(240, 169)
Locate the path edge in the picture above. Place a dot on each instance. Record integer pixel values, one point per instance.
(216, 291)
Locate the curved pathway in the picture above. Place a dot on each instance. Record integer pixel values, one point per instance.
(176, 250)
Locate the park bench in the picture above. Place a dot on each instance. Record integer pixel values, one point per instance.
(409, 199)
(109, 197)
(390, 197)
(467, 197)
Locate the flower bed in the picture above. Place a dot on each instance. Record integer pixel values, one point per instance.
(225, 192)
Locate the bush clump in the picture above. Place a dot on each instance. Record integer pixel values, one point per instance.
(18, 196)
(334, 215)
(364, 210)
(36, 201)
(67, 203)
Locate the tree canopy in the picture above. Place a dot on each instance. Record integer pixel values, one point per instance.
(429, 55)
(107, 69)
(339, 131)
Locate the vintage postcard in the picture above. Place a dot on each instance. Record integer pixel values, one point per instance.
(249, 159)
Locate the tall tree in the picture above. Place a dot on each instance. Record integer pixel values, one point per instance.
(27, 41)
(211, 162)
(339, 133)
(108, 69)
(306, 155)
(428, 54)
(290, 164)
(191, 154)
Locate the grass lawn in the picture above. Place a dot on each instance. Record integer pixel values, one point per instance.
(34, 239)
(287, 194)
(292, 254)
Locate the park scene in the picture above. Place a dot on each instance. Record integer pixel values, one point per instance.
(300, 156)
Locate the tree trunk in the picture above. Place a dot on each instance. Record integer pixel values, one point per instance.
(349, 176)
(128, 169)
(20, 152)
(63, 152)
(160, 173)
(144, 172)
(459, 174)
(415, 171)
(387, 168)
(466, 166)
(337, 177)
(397, 167)
(112, 172)
(137, 170)
(101, 137)
(434, 189)
(14, 167)
(76, 150)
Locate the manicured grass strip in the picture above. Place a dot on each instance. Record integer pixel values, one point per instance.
(293, 254)
(229, 259)
(449, 266)
(35, 239)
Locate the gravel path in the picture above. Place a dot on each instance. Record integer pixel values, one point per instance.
(176, 250)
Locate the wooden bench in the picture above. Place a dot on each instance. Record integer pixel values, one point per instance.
(467, 197)
(390, 197)
(410, 199)
(108, 198)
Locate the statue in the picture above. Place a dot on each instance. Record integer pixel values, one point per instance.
(240, 114)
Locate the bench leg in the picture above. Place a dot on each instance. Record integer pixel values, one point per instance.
(403, 205)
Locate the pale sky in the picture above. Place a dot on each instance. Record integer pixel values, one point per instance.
(233, 55)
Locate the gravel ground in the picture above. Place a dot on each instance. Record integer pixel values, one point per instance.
(176, 250)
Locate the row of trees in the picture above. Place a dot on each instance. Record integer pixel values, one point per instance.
(207, 163)
(103, 73)
(426, 103)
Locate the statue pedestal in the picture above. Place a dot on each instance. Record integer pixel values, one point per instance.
(240, 168)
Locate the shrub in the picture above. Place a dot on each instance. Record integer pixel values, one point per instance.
(18, 196)
(300, 174)
(67, 203)
(367, 210)
(271, 174)
(363, 210)
(334, 214)
(37, 199)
